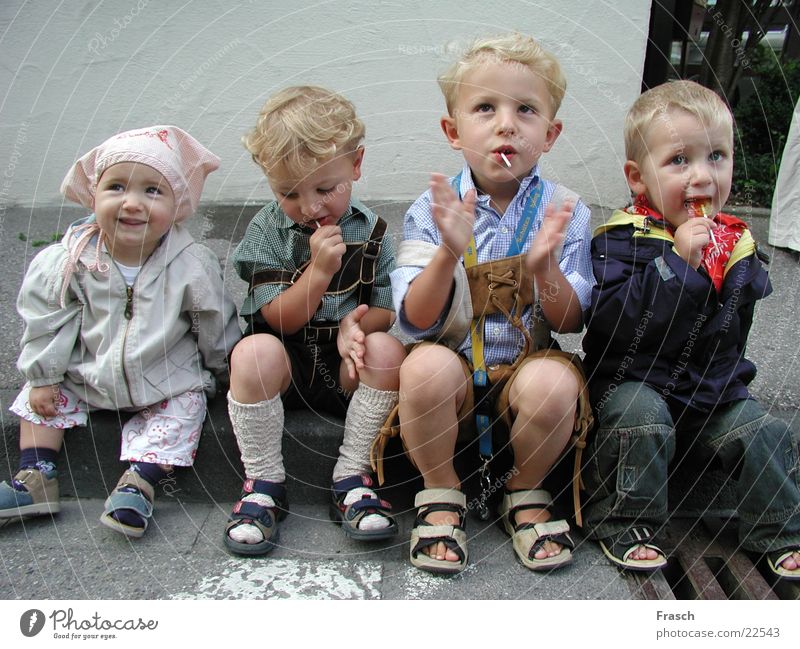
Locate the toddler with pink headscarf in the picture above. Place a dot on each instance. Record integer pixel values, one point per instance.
(126, 313)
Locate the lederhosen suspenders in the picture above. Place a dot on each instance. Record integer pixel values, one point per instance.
(358, 268)
(482, 389)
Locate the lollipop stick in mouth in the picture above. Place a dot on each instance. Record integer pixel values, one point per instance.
(505, 159)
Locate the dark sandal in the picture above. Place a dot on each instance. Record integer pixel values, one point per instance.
(132, 493)
(529, 538)
(776, 558)
(264, 518)
(424, 534)
(350, 516)
(619, 547)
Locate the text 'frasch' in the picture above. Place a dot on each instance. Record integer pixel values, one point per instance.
(65, 620)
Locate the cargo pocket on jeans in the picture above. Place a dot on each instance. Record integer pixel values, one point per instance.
(792, 460)
(604, 465)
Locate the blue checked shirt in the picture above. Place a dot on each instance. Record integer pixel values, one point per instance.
(493, 236)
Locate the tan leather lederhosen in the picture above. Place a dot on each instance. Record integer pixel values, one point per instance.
(359, 265)
(506, 286)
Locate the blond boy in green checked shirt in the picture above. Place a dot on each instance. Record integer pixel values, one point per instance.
(318, 310)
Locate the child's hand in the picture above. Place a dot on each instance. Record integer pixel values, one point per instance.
(691, 237)
(454, 218)
(327, 249)
(351, 339)
(43, 400)
(542, 255)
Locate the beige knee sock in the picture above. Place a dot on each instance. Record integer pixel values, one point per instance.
(259, 430)
(367, 411)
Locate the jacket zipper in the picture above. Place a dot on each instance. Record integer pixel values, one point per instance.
(128, 317)
(129, 302)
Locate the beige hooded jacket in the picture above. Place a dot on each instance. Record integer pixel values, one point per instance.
(119, 351)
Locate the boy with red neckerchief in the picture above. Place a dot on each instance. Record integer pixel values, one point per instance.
(677, 283)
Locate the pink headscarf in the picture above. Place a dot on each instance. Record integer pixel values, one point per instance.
(171, 151)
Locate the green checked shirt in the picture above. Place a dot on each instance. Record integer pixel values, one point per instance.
(274, 241)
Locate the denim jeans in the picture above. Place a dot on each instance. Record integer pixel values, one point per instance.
(627, 464)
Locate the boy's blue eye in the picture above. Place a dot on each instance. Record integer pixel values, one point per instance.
(484, 108)
(527, 109)
(679, 159)
(716, 156)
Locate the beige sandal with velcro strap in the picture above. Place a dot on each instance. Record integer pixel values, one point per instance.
(528, 538)
(133, 493)
(424, 534)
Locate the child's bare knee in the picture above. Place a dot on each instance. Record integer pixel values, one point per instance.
(545, 388)
(431, 370)
(257, 356)
(384, 351)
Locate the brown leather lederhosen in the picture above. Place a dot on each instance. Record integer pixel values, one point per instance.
(506, 286)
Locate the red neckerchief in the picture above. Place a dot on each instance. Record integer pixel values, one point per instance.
(715, 257)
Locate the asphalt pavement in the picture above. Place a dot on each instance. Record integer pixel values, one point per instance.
(72, 556)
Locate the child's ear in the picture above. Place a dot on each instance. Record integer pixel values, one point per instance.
(357, 160)
(450, 129)
(553, 131)
(634, 177)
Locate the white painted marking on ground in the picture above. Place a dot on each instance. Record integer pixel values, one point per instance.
(425, 585)
(290, 579)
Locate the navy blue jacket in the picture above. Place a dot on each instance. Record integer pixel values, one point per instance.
(655, 319)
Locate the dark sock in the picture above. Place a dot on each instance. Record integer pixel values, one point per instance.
(42, 459)
(152, 473)
(30, 457)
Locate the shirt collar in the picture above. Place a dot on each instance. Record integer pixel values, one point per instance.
(525, 185)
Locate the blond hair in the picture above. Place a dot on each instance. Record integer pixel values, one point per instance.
(509, 48)
(301, 127)
(651, 109)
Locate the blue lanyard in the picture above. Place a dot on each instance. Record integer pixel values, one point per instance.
(525, 223)
(479, 375)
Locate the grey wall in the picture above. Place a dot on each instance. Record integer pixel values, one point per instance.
(75, 73)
